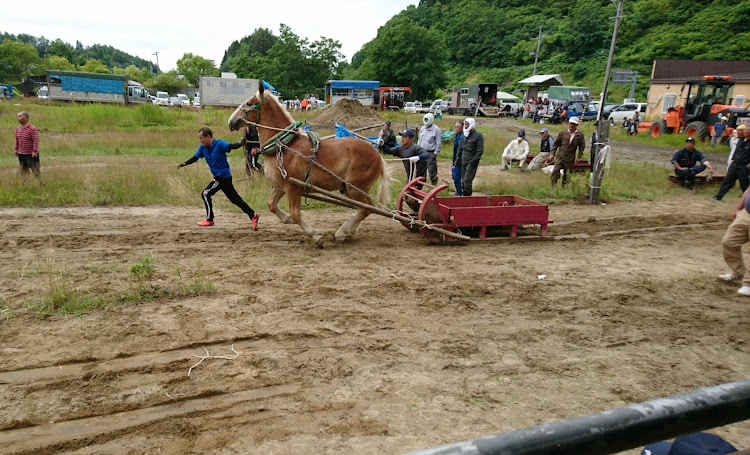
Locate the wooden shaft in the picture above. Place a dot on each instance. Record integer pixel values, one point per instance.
(418, 223)
(328, 200)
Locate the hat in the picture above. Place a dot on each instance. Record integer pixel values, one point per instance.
(407, 133)
(388, 122)
(543, 130)
(575, 120)
(691, 444)
(723, 117)
(690, 139)
(741, 127)
(522, 133)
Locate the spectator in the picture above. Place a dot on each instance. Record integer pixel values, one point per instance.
(413, 156)
(566, 144)
(215, 152)
(719, 128)
(251, 142)
(544, 150)
(739, 167)
(636, 120)
(469, 153)
(688, 162)
(516, 150)
(304, 104)
(27, 145)
(297, 104)
(691, 444)
(430, 139)
(456, 168)
(733, 143)
(735, 237)
(387, 136)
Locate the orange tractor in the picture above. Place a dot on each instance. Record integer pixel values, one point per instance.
(706, 104)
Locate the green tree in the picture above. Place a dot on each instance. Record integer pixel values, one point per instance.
(168, 82)
(407, 54)
(194, 66)
(60, 49)
(93, 65)
(17, 59)
(55, 62)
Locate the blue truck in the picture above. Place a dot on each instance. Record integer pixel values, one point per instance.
(94, 87)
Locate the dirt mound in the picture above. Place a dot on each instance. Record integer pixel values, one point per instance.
(349, 112)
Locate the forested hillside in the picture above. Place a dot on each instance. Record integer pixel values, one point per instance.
(493, 40)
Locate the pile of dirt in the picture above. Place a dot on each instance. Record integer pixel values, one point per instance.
(349, 112)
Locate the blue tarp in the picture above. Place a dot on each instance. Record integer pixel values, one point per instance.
(81, 84)
(343, 132)
(356, 84)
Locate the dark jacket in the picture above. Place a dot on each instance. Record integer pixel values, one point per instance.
(471, 148)
(565, 150)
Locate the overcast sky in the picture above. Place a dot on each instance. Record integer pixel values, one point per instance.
(203, 28)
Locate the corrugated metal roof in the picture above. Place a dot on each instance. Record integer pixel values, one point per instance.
(543, 79)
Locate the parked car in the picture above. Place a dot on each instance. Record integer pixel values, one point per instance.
(162, 99)
(410, 107)
(608, 107)
(184, 100)
(421, 108)
(627, 110)
(443, 105)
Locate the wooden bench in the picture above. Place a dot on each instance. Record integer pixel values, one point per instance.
(581, 166)
(701, 178)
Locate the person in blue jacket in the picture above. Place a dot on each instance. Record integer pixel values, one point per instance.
(214, 151)
(456, 169)
(688, 162)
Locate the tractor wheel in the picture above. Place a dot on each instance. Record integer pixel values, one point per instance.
(698, 130)
(658, 128)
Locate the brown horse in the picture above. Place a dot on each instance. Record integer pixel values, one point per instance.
(353, 164)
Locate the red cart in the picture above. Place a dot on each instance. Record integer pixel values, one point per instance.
(471, 213)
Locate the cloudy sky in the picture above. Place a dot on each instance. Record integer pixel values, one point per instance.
(203, 28)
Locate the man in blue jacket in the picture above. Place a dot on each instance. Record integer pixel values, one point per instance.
(215, 153)
(688, 162)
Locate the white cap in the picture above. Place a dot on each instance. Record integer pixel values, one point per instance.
(723, 118)
(574, 120)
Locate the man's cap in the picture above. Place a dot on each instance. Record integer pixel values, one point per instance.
(388, 122)
(522, 133)
(543, 130)
(741, 127)
(690, 139)
(691, 444)
(575, 120)
(723, 117)
(407, 132)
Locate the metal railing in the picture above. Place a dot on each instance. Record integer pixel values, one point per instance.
(618, 429)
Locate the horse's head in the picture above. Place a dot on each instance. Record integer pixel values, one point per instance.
(247, 112)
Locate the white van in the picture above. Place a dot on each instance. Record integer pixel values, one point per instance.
(43, 93)
(162, 99)
(626, 111)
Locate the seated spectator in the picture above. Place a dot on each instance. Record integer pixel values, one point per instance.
(517, 150)
(544, 150)
(689, 162)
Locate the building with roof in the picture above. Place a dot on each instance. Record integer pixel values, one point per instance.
(668, 82)
(362, 91)
(539, 81)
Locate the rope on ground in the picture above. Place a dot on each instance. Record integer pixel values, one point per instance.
(209, 356)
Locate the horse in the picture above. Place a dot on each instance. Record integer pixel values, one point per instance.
(348, 165)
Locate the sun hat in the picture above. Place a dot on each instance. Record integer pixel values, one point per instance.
(691, 444)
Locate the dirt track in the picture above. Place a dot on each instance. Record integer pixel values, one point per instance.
(387, 344)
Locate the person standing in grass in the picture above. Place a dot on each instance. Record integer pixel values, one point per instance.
(215, 153)
(27, 145)
(737, 235)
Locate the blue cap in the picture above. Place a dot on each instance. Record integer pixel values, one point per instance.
(691, 444)
(408, 133)
(388, 122)
(690, 139)
(543, 130)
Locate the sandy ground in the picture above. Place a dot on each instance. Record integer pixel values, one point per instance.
(385, 344)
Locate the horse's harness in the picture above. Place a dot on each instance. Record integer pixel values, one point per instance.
(282, 139)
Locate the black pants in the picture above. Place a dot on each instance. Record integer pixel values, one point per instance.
(734, 172)
(469, 165)
(29, 163)
(225, 185)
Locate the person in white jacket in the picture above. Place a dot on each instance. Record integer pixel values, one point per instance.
(516, 150)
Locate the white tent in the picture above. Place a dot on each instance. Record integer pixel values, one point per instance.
(506, 96)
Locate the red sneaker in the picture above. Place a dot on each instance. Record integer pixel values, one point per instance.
(205, 223)
(255, 219)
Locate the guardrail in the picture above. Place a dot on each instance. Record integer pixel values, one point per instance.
(618, 429)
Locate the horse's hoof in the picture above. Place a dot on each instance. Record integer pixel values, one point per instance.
(319, 241)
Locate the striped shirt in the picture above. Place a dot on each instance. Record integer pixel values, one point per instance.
(27, 140)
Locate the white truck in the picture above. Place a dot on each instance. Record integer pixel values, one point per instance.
(444, 106)
(162, 99)
(225, 91)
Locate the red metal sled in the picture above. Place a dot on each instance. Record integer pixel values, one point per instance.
(469, 213)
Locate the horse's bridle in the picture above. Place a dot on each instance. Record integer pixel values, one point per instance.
(254, 107)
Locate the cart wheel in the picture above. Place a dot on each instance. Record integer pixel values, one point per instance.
(410, 192)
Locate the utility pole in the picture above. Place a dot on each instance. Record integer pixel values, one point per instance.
(538, 45)
(597, 175)
(157, 60)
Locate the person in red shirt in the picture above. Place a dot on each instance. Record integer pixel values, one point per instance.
(27, 144)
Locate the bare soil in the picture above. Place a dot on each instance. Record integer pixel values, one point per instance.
(385, 344)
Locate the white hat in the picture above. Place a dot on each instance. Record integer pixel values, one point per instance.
(574, 120)
(723, 118)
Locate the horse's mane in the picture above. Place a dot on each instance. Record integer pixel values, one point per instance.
(276, 100)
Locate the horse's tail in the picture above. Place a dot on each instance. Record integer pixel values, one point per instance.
(384, 189)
